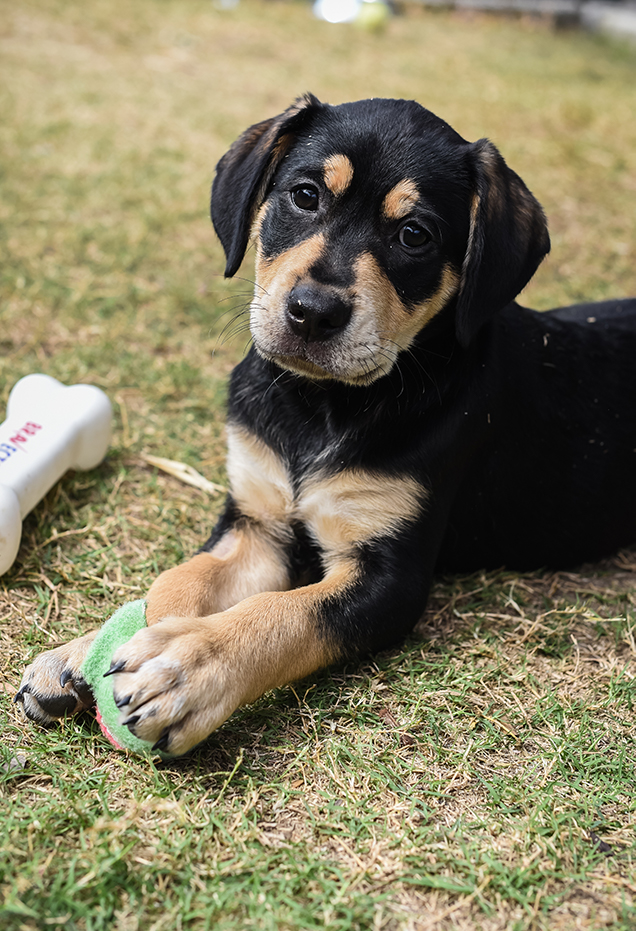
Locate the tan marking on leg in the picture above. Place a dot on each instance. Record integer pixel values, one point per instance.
(184, 676)
(400, 200)
(250, 558)
(282, 631)
(355, 506)
(187, 675)
(247, 560)
(338, 173)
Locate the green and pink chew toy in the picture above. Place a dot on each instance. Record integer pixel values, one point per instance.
(124, 623)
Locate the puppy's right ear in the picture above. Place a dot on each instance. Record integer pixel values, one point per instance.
(508, 239)
(244, 173)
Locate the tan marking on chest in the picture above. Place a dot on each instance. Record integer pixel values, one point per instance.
(356, 505)
(338, 173)
(339, 511)
(259, 481)
(400, 200)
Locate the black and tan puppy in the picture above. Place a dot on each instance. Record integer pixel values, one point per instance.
(398, 412)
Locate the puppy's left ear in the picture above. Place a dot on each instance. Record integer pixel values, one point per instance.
(244, 173)
(507, 240)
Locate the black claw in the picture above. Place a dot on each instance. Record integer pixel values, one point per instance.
(163, 741)
(115, 667)
(130, 722)
(120, 702)
(19, 696)
(64, 678)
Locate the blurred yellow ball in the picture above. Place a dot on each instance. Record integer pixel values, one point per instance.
(373, 16)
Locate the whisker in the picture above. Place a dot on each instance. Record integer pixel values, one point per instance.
(234, 310)
(237, 293)
(237, 331)
(250, 281)
(237, 324)
(238, 310)
(273, 382)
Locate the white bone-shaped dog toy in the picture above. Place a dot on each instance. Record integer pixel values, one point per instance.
(49, 429)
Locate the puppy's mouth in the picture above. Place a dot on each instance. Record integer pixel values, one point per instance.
(364, 373)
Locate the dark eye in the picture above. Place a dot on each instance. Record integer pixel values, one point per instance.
(412, 235)
(305, 197)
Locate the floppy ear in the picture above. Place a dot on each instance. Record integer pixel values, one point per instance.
(507, 240)
(244, 172)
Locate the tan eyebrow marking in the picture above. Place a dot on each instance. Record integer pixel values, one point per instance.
(338, 173)
(400, 200)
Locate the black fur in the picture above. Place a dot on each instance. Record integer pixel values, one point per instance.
(521, 426)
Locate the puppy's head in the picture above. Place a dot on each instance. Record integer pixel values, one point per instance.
(371, 219)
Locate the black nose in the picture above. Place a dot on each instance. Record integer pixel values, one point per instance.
(316, 313)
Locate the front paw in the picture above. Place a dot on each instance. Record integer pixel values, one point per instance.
(173, 683)
(52, 686)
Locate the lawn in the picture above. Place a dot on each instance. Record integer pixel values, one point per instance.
(483, 776)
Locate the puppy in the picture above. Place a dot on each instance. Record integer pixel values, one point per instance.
(398, 413)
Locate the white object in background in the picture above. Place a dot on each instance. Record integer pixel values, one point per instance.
(336, 11)
(49, 429)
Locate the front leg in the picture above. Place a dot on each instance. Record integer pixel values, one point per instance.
(180, 679)
(246, 559)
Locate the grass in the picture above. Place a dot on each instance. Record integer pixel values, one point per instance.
(483, 776)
